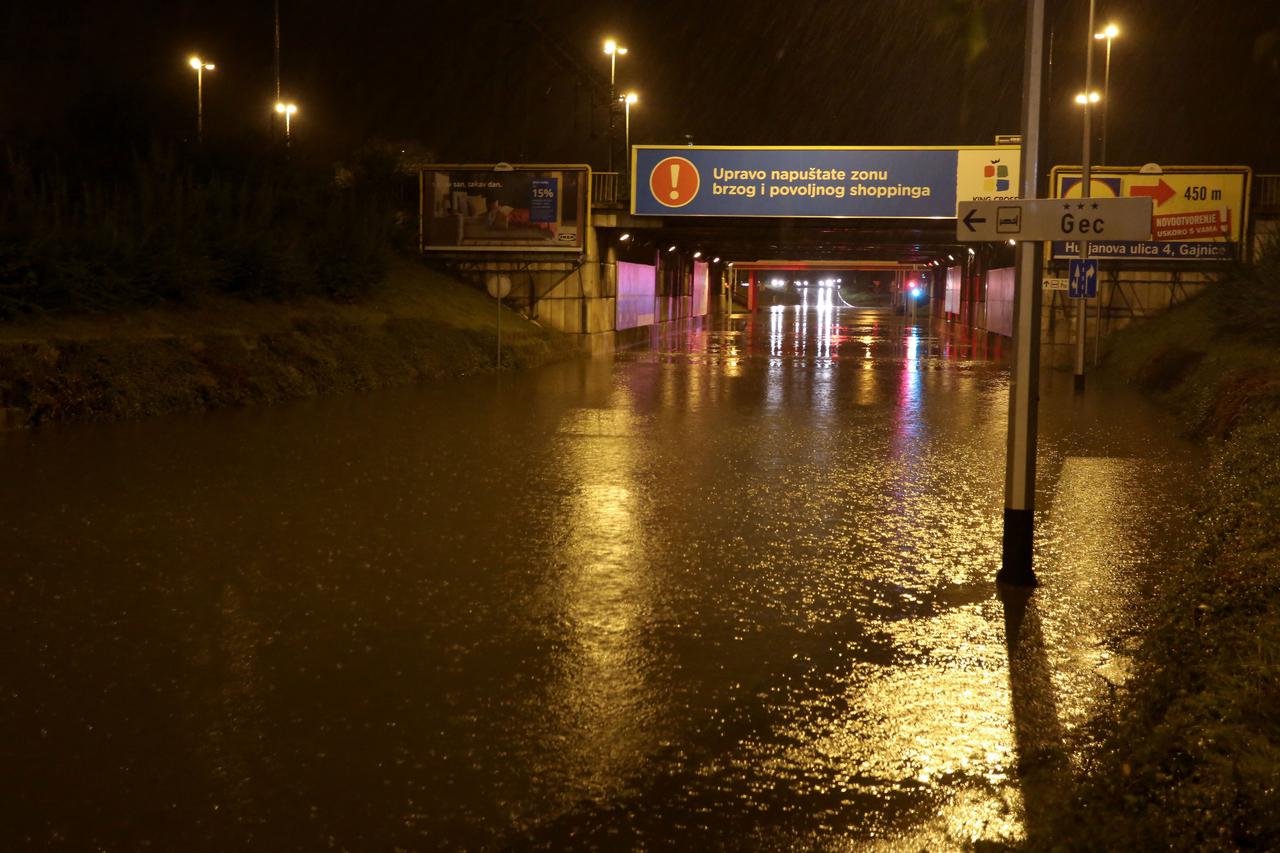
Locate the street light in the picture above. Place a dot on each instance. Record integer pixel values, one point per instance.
(1087, 98)
(614, 50)
(286, 110)
(629, 99)
(200, 67)
(1109, 33)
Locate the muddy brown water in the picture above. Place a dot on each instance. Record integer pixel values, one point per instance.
(732, 590)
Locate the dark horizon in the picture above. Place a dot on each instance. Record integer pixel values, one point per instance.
(519, 81)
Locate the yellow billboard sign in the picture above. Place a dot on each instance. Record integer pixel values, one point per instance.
(1199, 213)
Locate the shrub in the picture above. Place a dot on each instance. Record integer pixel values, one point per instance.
(1249, 303)
(172, 228)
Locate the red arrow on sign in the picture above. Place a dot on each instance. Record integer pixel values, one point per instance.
(1161, 192)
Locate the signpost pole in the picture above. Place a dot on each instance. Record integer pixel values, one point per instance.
(1024, 390)
(1082, 307)
(1097, 332)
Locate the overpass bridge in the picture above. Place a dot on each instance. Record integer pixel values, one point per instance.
(690, 266)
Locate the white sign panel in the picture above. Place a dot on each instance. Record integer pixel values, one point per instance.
(1054, 219)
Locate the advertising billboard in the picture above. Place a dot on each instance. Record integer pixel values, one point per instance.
(1199, 213)
(701, 288)
(951, 300)
(1000, 287)
(637, 295)
(916, 183)
(505, 208)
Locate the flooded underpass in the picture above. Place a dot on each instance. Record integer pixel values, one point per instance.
(732, 590)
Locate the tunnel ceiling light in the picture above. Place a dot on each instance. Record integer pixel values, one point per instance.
(951, 257)
(971, 251)
(624, 238)
(697, 254)
(716, 259)
(671, 248)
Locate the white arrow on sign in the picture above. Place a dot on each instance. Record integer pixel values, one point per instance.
(1054, 219)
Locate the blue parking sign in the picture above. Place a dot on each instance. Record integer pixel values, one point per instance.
(1082, 279)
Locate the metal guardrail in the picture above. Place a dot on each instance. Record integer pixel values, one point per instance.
(608, 189)
(1266, 193)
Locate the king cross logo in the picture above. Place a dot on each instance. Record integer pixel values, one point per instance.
(995, 177)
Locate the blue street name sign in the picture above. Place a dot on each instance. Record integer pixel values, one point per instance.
(918, 183)
(1082, 279)
(1174, 250)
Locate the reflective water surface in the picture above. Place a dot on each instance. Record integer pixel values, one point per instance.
(734, 590)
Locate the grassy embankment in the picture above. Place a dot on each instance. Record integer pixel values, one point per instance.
(225, 351)
(1189, 756)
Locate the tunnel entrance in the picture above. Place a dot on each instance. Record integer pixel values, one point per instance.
(871, 228)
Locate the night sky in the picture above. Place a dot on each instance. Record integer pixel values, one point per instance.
(1192, 82)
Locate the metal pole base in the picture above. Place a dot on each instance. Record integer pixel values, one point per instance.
(1079, 383)
(1015, 560)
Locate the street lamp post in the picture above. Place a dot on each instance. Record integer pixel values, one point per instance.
(1109, 33)
(614, 50)
(200, 67)
(286, 110)
(1086, 177)
(1087, 100)
(629, 99)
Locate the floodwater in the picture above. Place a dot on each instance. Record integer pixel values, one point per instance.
(731, 591)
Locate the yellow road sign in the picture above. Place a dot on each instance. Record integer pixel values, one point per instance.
(1190, 205)
(1190, 202)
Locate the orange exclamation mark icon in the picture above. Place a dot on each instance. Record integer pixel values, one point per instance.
(675, 181)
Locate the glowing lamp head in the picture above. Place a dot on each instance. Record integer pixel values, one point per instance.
(915, 292)
(610, 46)
(631, 98)
(195, 62)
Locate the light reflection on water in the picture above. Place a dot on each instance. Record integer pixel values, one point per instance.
(734, 591)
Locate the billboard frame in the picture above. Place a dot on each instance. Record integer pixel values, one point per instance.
(1236, 247)
(633, 157)
(496, 248)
